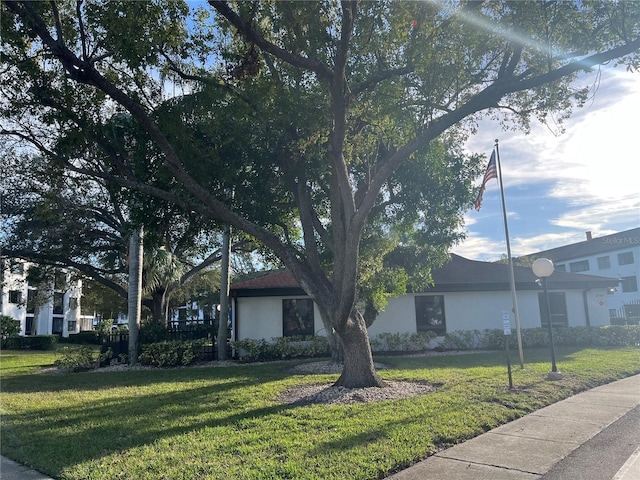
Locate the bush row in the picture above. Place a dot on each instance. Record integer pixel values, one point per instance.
(280, 348)
(306, 347)
(171, 353)
(402, 342)
(80, 358)
(33, 342)
(90, 337)
(605, 336)
(182, 353)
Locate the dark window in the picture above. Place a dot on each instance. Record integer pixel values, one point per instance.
(604, 263)
(581, 266)
(60, 281)
(297, 317)
(72, 325)
(625, 258)
(32, 298)
(558, 309)
(73, 303)
(15, 296)
(560, 268)
(58, 299)
(430, 314)
(629, 284)
(56, 328)
(28, 326)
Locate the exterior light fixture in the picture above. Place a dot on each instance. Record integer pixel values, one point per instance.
(543, 268)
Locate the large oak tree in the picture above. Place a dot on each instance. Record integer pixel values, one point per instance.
(320, 109)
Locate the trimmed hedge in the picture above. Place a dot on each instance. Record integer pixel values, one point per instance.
(494, 339)
(171, 353)
(281, 348)
(90, 337)
(33, 342)
(402, 342)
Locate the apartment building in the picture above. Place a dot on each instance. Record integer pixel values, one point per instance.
(47, 306)
(616, 255)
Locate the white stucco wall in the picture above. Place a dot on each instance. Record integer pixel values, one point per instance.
(261, 317)
(43, 321)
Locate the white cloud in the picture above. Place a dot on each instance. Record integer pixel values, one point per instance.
(591, 170)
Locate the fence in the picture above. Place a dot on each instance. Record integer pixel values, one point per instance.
(628, 314)
(119, 342)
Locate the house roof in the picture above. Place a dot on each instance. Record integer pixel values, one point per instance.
(269, 279)
(458, 275)
(278, 282)
(462, 274)
(608, 243)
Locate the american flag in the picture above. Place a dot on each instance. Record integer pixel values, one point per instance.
(489, 174)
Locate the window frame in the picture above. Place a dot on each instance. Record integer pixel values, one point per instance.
(556, 299)
(300, 311)
(625, 258)
(17, 297)
(429, 308)
(604, 263)
(58, 303)
(577, 267)
(629, 284)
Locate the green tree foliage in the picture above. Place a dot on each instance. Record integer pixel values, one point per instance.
(337, 125)
(9, 326)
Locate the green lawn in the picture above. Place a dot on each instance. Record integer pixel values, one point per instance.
(226, 423)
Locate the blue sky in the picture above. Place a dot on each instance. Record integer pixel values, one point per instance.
(560, 185)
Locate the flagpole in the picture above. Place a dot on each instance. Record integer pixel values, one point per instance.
(512, 283)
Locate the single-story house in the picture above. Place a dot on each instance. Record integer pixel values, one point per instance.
(467, 295)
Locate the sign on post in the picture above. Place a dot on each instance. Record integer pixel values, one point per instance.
(506, 327)
(506, 323)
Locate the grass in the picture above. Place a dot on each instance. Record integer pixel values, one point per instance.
(214, 423)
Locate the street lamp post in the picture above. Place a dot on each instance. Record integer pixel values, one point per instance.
(543, 268)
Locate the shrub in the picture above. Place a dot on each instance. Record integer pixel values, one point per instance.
(493, 339)
(171, 353)
(104, 327)
(403, 342)
(462, 340)
(152, 333)
(76, 359)
(534, 337)
(12, 343)
(249, 350)
(83, 338)
(9, 326)
(617, 335)
(41, 342)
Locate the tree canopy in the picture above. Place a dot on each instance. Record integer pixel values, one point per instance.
(331, 132)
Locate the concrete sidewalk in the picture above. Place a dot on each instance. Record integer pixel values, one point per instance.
(530, 446)
(10, 470)
(524, 449)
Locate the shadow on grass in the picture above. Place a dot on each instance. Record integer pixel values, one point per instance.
(137, 413)
(475, 359)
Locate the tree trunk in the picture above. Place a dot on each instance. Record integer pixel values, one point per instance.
(159, 306)
(335, 346)
(359, 370)
(224, 296)
(135, 292)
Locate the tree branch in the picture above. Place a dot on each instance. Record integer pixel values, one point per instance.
(251, 34)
